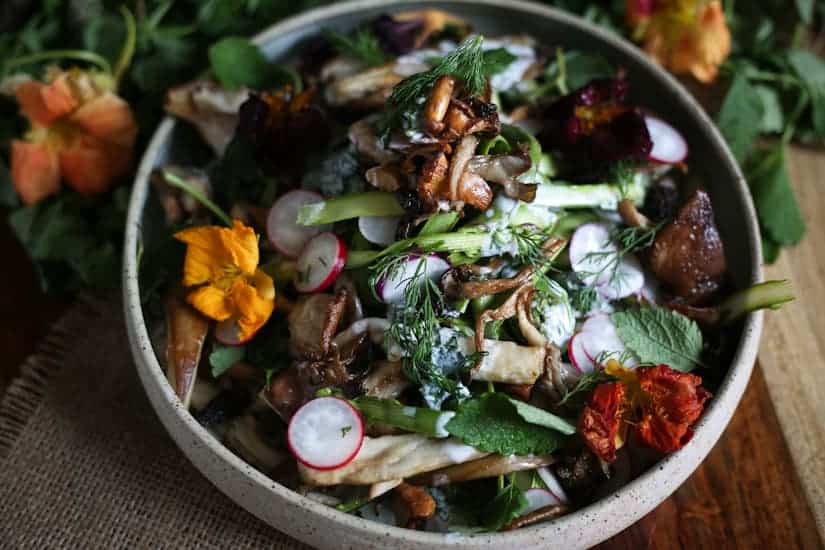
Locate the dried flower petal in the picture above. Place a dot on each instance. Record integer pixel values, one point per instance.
(600, 420)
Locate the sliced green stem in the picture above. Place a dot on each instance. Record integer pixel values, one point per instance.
(601, 195)
(767, 295)
(441, 222)
(352, 504)
(439, 242)
(79, 55)
(176, 181)
(347, 207)
(412, 419)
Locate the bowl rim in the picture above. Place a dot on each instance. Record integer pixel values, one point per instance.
(667, 474)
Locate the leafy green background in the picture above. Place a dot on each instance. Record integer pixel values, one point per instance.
(771, 77)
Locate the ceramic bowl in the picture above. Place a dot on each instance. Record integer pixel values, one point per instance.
(325, 527)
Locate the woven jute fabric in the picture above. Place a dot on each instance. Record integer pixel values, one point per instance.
(85, 463)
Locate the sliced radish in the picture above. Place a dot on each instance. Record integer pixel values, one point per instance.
(598, 338)
(578, 357)
(595, 259)
(379, 229)
(592, 253)
(391, 289)
(320, 263)
(627, 279)
(228, 333)
(326, 433)
(282, 227)
(539, 498)
(553, 484)
(669, 147)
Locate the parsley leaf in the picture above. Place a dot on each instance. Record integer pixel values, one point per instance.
(776, 205)
(223, 357)
(811, 70)
(238, 62)
(361, 45)
(491, 423)
(742, 106)
(658, 335)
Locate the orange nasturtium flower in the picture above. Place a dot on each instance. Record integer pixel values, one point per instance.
(658, 403)
(686, 36)
(221, 268)
(80, 131)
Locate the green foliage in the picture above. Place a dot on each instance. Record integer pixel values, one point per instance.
(224, 357)
(491, 423)
(776, 205)
(658, 335)
(361, 45)
(507, 505)
(743, 106)
(237, 62)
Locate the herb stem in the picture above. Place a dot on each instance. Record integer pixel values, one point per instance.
(128, 50)
(412, 419)
(80, 55)
(176, 181)
(346, 207)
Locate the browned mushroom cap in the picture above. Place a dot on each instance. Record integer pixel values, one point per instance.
(306, 324)
(185, 334)
(688, 255)
(631, 215)
(386, 177)
(504, 169)
(470, 117)
(489, 466)
(437, 104)
(432, 180)
(473, 190)
(332, 318)
(542, 514)
(415, 505)
(362, 135)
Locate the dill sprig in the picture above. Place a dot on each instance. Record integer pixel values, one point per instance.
(416, 321)
(362, 45)
(465, 63)
(628, 240)
(585, 385)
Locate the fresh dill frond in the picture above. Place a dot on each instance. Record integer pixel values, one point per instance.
(628, 241)
(585, 385)
(582, 299)
(632, 239)
(465, 63)
(362, 45)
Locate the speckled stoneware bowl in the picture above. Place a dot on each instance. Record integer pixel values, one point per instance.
(325, 527)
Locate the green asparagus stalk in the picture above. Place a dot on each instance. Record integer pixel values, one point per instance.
(412, 419)
(346, 207)
(767, 295)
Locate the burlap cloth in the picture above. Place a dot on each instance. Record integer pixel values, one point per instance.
(85, 463)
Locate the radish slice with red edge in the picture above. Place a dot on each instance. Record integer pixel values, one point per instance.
(379, 230)
(578, 357)
(669, 147)
(320, 263)
(282, 228)
(391, 289)
(325, 433)
(539, 498)
(598, 339)
(553, 484)
(228, 333)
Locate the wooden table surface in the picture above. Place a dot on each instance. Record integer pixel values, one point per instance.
(757, 489)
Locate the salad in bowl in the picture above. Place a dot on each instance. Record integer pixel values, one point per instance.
(440, 280)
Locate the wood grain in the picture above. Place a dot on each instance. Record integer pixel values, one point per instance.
(793, 351)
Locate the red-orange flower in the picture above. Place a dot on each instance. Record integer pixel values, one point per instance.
(686, 36)
(80, 131)
(659, 403)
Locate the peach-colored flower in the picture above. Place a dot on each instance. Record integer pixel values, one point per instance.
(80, 131)
(686, 36)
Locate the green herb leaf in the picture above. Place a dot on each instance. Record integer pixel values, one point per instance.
(491, 423)
(658, 335)
(737, 118)
(776, 205)
(223, 357)
(540, 417)
(237, 62)
(811, 70)
(497, 60)
(773, 118)
(361, 45)
(508, 504)
(805, 8)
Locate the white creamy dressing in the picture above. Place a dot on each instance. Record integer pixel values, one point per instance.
(505, 212)
(558, 323)
(458, 452)
(441, 424)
